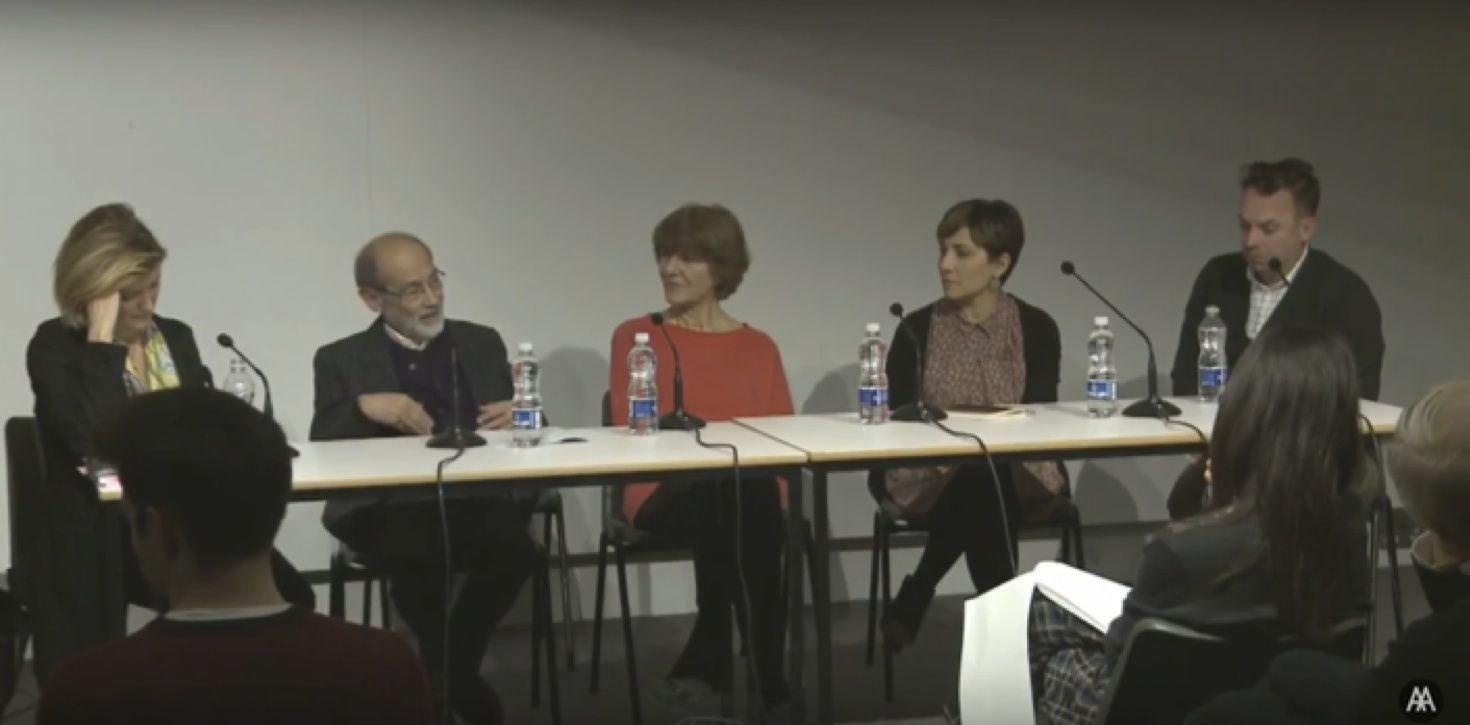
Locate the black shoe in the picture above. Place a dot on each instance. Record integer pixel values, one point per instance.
(476, 702)
(902, 617)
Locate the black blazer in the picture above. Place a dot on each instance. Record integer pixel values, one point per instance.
(1324, 293)
(80, 562)
(1041, 346)
(361, 364)
(1182, 579)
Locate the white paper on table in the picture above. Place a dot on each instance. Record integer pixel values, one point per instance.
(995, 663)
(1093, 599)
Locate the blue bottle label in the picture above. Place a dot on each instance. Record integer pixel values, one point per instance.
(872, 397)
(645, 409)
(1102, 390)
(526, 419)
(1211, 378)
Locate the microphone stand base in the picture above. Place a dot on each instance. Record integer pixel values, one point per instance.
(1151, 408)
(455, 439)
(918, 413)
(680, 421)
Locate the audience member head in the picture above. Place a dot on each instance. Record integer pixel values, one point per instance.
(1278, 213)
(1287, 451)
(109, 251)
(397, 279)
(1430, 462)
(205, 478)
(980, 242)
(701, 255)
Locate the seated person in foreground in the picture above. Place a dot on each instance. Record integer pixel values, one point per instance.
(1281, 550)
(205, 479)
(1430, 463)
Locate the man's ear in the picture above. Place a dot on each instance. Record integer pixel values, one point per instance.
(1308, 228)
(372, 298)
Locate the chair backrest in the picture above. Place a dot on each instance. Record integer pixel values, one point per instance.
(1167, 670)
(25, 491)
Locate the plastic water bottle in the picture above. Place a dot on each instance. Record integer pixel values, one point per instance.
(1212, 372)
(1102, 376)
(642, 387)
(872, 378)
(239, 383)
(526, 408)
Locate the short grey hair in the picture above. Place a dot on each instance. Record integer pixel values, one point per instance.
(365, 267)
(1430, 462)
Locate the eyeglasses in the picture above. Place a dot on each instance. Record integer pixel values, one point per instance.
(415, 293)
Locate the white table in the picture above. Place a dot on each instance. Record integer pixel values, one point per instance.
(1052, 431)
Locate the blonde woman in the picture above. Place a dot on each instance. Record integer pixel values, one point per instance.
(105, 346)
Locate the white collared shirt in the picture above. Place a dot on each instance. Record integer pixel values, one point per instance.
(404, 340)
(1264, 299)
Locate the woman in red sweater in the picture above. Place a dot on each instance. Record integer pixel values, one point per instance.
(730, 370)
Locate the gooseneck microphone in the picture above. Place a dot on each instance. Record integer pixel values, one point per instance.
(1152, 406)
(1275, 265)
(227, 342)
(678, 418)
(455, 437)
(918, 411)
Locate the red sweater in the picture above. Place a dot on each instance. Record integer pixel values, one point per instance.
(287, 668)
(727, 375)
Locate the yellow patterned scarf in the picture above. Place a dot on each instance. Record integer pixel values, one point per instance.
(158, 371)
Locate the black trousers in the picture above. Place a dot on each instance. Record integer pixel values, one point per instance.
(488, 543)
(967, 519)
(702, 514)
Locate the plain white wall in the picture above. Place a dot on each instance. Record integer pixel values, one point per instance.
(534, 146)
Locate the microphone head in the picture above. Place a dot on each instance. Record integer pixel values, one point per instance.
(225, 340)
(657, 318)
(1068, 268)
(896, 310)
(1274, 265)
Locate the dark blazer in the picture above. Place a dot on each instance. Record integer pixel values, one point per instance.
(1203, 577)
(361, 364)
(1041, 346)
(81, 561)
(1324, 293)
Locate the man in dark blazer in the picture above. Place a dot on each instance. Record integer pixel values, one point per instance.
(1278, 218)
(396, 378)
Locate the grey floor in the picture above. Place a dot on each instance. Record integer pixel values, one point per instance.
(925, 675)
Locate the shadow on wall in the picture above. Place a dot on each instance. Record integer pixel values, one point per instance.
(835, 392)
(577, 379)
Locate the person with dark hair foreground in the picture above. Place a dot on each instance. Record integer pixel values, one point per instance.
(1280, 548)
(205, 480)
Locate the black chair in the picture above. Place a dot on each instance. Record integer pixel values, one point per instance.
(348, 567)
(25, 493)
(1167, 670)
(1060, 515)
(627, 542)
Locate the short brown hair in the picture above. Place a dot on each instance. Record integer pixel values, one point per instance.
(1430, 462)
(1292, 174)
(105, 249)
(706, 233)
(994, 225)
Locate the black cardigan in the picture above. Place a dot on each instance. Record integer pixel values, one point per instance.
(1324, 293)
(1041, 347)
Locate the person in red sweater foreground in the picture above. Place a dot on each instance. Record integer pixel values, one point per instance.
(730, 370)
(205, 479)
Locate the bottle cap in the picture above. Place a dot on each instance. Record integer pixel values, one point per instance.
(640, 338)
(1100, 321)
(872, 328)
(1212, 310)
(524, 347)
